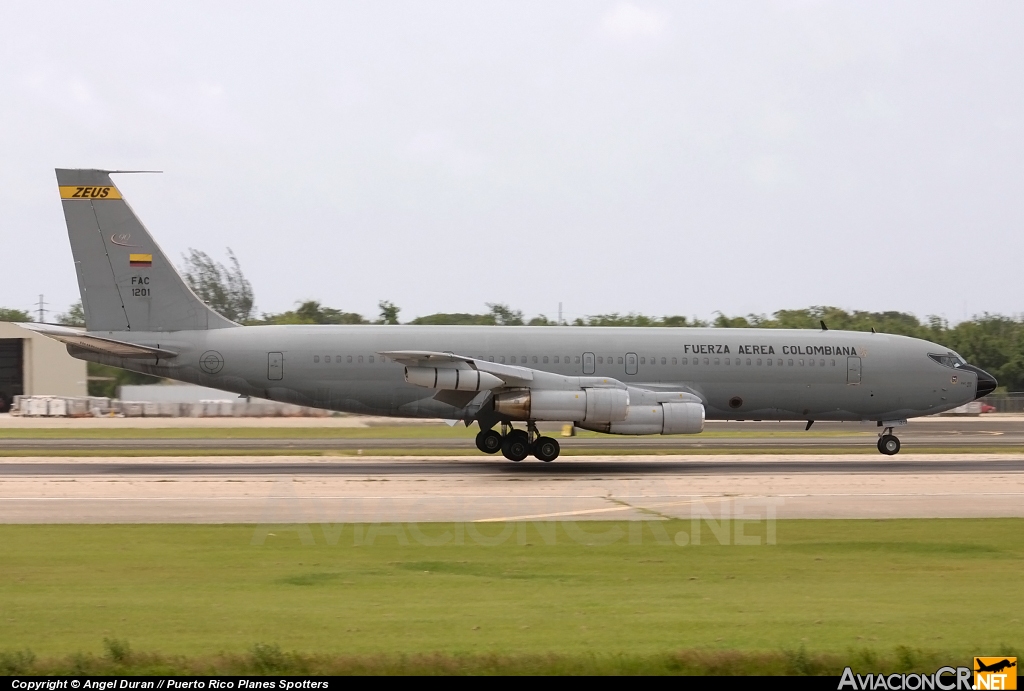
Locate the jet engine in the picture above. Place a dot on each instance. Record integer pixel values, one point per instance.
(452, 379)
(659, 418)
(591, 405)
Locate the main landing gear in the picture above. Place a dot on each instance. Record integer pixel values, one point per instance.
(888, 443)
(517, 444)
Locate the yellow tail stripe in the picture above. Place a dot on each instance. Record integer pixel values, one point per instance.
(92, 193)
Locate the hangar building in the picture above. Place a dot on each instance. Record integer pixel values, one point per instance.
(32, 364)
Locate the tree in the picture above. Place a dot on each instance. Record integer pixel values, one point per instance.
(631, 319)
(312, 312)
(10, 315)
(455, 319)
(224, 289)
(75, 316)
(388, 312)
(505, 316)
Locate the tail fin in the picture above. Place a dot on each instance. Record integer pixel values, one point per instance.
(126, 281)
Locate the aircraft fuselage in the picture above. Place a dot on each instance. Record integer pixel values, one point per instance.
(739, 374)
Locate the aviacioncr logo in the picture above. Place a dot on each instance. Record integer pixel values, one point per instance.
(211, 362)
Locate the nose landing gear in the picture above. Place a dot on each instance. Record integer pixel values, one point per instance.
(888, 443)
(517, 444)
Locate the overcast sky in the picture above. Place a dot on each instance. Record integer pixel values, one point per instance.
(664, 158)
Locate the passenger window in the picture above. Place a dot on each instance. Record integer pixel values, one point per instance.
(821, 363)
(501, 359)
(801, 363)
(673, 361)
(833, 363)
(748, 361)
(811, 363)
(371, 359)
(349, 358)
(512, 359)
(620, 360)
(600, 360)
(759, 361)
(545, 359)
(684, 361)
(577, 359)
(568, 359)
(337, 358)
(643, 361)
(706, 362)
(664, 361)
(535, 359)
(727, 361)
(791, 362)
(360, 358)
(780, 362)
(316, 358)
(556, 360)
(523, 359)
(327, 358)
(716, 361)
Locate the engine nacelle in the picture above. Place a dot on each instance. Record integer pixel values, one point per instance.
(452, 379)
(587, 405)
(658, 418)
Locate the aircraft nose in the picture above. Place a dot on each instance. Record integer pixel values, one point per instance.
(986, 382)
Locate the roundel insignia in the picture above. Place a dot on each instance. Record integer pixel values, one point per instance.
(211, 362)
(952, 380)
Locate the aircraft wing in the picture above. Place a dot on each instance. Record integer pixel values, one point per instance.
(512, 375)
(97, 344)
(642, 394)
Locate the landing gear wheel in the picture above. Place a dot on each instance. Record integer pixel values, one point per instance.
(546, 449)
(889, 444)
(488, 441)
(516, 446)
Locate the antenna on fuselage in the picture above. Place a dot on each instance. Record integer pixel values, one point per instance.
(823, 327)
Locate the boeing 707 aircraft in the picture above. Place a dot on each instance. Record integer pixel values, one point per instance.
(141, 316)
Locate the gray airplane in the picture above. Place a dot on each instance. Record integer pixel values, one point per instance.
(141, 316)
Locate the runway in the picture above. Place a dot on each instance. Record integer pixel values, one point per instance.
(325, 435)
(567, 468)
(327, 491)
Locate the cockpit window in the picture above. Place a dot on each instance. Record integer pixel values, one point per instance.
(950, 359)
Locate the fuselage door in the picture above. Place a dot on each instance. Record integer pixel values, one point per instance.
(588, 363)
(631, 363)
(853, 370)
(275, 366)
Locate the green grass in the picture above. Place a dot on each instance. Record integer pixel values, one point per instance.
(617, 591)
(381, 432)
(120, 658)
(868, 450)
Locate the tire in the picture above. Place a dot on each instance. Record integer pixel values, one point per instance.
(519, 434)
(489, 441)
(516, 446)
(546, 449)
(889, 445)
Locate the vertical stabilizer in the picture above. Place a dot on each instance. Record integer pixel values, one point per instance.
(126, 281)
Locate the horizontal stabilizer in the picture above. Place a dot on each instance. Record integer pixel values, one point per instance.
(97, 344)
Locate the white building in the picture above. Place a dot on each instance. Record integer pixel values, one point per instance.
(32, 364)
